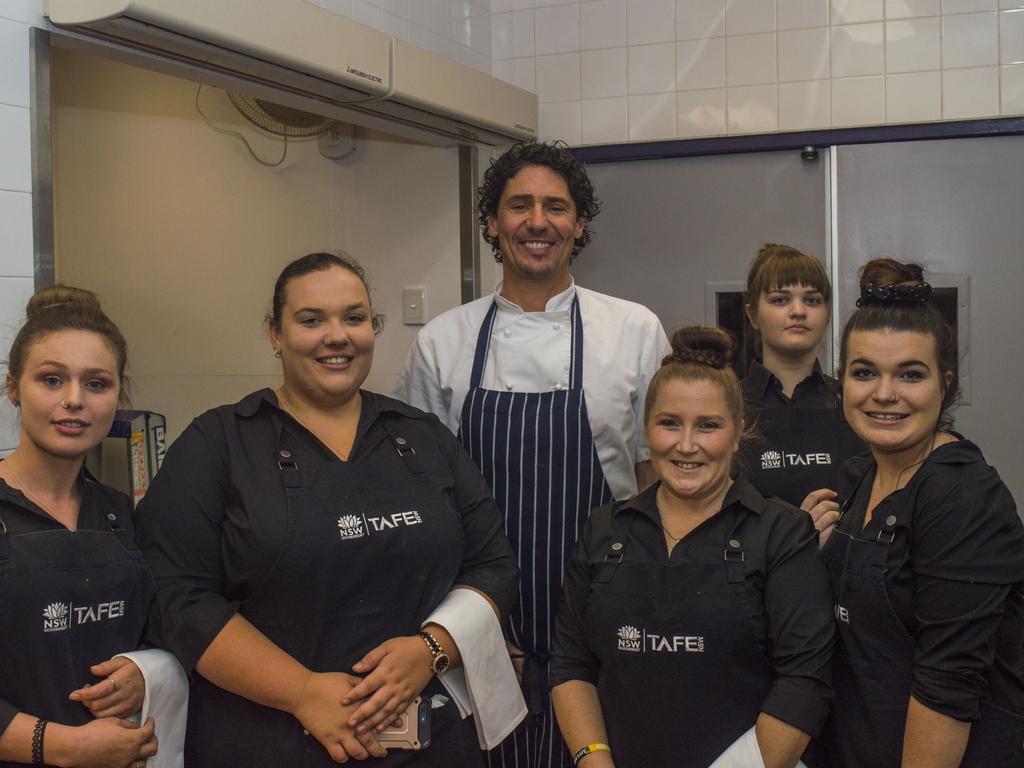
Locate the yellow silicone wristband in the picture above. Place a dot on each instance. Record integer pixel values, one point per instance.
(596, 747)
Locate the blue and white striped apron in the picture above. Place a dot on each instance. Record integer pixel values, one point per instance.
(537, 452)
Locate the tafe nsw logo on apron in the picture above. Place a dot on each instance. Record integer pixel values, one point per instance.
(772, 459)
(357, 526)
(59, 616)
(636, 640)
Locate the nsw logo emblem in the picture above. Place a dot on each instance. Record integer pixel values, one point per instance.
(351, 527)
(56, 617)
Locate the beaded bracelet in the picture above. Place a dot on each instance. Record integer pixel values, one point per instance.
(596, 747)
(38, 733)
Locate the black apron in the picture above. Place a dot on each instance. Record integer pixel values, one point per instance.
(685, 664)
(800, 450)
(68, 600)
(371, 550)
(536, 451)
(873, 662)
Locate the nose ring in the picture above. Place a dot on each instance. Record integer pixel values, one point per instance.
(65, 405)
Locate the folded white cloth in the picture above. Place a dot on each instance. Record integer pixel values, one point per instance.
(485, 686)
(744, 753)
(166, 701)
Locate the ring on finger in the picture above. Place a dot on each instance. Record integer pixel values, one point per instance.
(112, 683)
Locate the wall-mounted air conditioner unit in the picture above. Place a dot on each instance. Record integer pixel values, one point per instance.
(294, 47)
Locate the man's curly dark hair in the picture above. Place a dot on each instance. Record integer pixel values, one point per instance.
(554, 155)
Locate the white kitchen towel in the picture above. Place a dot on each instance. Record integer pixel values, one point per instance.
(485, 686)
(166, 701)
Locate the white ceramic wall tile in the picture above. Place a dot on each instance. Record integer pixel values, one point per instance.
(542, 3)
(366, 13)
(15, 149)
(799, 14)
(804, 106)
(1011, 89)
(858, 101)
(856, 11)
(970, 40)
(747, 17)
(1007, 4)
(556, 29)
(650, 21)
(968, 93)
(652, 116)
(915, 97)
(605, 120)
(342, 7)
(753, 109)
(16, 235)
(698, 19)
(912, 45)
(558, 77)
(652, 68)
(1011, 37)
(604, 73)
(499, 6)
(803, 54)
(560, 120)
(14, 294)
(700, 113)
(968, 6)
(14, 60)
(512, 34)
(603, 24)
(751, 59)
(519, 72)
(26, 11)
(857, 49)
(416, 11)
(473, 29)
(905, 9)
(700, 64)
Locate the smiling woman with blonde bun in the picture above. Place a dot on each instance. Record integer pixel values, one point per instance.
(74, 590)
(307, 540)
(695, 627)
(927, 562)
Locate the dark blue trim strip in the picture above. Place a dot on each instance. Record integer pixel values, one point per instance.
(768, 142)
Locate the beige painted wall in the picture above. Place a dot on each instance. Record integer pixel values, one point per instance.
(182, 233)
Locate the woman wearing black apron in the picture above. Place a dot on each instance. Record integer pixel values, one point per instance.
(301, 539)
(74, 590)
(695, 625)
(927, 562)
(802, 437)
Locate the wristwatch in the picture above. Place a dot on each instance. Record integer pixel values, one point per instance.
(440, 661)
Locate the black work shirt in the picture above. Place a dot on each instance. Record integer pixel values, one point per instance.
(781, 560)
(801, 442)
(215, 517)
(954, 574)
(20, 515)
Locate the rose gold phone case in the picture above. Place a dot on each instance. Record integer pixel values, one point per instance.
(413, 729)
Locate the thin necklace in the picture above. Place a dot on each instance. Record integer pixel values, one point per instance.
(25, 490)
(317, 435)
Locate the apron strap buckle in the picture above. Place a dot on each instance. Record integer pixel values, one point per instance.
(886, 537)
(289, 473)
(734, 559)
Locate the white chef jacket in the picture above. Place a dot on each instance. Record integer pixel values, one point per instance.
(623, 344)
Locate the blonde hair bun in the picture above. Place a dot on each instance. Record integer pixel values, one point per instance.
(712, 347)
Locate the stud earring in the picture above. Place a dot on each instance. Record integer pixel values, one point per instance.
(277, 353)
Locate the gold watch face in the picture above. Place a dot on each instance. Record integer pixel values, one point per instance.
(441, 663)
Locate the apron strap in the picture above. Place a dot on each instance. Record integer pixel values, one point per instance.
(621, 527)
(576, 363)
(4, 548)
(483, 345)
(291, 478)
(119, 530)
(734, 556)
(402, 447)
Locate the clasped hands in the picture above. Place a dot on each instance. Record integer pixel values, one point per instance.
(344, 712)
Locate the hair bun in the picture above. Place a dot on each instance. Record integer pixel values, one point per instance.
(64, 296)
(712, 347)
(885, 281)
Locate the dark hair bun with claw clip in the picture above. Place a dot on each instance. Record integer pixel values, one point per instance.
(885, 281)
(712, 347)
